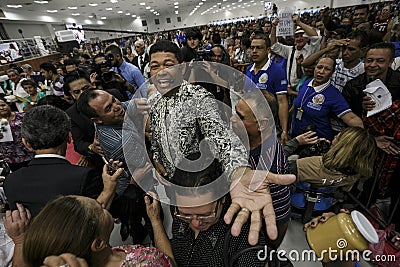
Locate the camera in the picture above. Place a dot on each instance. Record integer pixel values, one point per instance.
(317, 149)
(203, 55)
(108, 77)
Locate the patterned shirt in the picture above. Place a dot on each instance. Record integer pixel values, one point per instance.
(342, 75)
(272, 157)
(207, 249)
(181, 120)
(139, 256)
(386, 123)
(57, 87)
(15, 151)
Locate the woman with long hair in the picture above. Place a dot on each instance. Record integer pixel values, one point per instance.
(80, 226)
(350, 158)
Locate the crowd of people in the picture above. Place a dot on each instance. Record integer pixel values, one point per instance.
(233, 113)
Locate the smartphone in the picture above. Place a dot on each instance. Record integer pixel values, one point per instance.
(114, 168)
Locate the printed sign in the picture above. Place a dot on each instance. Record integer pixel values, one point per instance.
(285, 26)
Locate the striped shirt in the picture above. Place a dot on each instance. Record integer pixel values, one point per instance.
(270, 156)
(110, 139)
(342, 75)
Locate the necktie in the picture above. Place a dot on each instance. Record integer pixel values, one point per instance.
(141, 61)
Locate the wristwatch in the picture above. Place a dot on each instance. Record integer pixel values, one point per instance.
(90, 147)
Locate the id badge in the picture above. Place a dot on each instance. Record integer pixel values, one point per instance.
(299, 114)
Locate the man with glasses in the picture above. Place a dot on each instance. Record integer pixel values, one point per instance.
(198, 229)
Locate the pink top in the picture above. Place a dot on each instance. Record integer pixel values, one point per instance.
(137, 255)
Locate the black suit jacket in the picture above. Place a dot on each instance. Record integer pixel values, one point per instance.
(82, 129)
(135, 62)
(46, 178)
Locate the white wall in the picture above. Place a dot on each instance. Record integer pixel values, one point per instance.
(28, 30)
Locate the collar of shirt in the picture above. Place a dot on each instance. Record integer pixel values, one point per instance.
(49, 156)
(319, 88)
(265, 67)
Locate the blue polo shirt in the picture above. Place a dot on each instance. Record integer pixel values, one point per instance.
(271, 78)
(319, 104)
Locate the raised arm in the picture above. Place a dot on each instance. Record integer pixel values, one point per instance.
(153, 208)
(309, 61)
(307, 29)
(272, 35)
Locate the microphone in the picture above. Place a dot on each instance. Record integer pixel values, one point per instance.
(20, 32)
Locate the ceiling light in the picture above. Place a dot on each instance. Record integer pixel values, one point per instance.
(201, 3)
(147, 7)
(14, 6)
(52, 11)
(176, 3)
(109, 8)
(93, 4)
(142, 3)
(138, 17)
(75, 14)
(120, 12)
(103, 18)
(176, 6)
(127, 14)
(176, 12)
(113, 1)
(41, 2)
(151, 10)
(72, 7)
(133, 16)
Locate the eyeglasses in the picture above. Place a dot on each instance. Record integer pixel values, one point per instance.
(204, 219)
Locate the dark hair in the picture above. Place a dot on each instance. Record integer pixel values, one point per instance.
(389, 46)
(260, 109)
(246, 42)
(71, 61)
(166, 46)
(224, 52)
(333, 60)
(216, 38)
(97, 56)
(73, 76)
(48, 66)
(362, 7)
(83, 103)
(29, 82)
(55, 230)
(204, 174)
(361, 36)
(54, 101)
(264, 37)
(45, 127)
(194, 33)
(85, 56)
(115, 50)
